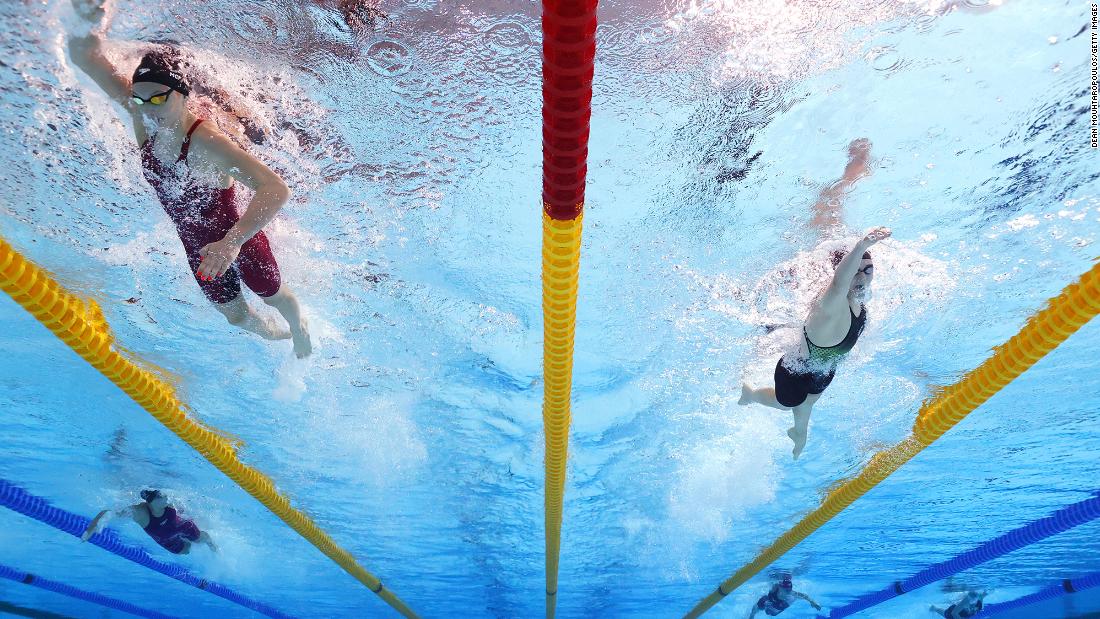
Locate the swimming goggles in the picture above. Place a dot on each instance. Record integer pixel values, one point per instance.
(157, 99)
(867, 269)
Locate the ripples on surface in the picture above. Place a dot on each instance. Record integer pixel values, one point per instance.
(414, 434)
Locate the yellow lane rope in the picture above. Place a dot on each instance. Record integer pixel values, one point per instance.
(561, 253)
(81, 325)
(1063, 316)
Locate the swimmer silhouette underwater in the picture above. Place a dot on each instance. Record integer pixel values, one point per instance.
(837, 315)
(194, 169)
(968, 606)
(780, 598)
(160, 520)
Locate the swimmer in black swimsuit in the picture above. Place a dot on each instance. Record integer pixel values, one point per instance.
(780, 598)
(837, 317)
(965, 608)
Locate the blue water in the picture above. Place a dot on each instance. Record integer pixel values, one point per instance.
(414, 434)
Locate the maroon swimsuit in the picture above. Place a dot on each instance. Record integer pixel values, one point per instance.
(171, 531)
(203, 215)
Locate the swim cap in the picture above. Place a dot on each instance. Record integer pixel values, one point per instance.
(838, 255)
(149, 495)
(162, 67)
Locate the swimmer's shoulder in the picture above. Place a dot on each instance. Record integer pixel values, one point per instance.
(209, 142)
(140, 514)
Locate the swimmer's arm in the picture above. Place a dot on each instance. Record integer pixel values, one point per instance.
(807, 598)
(103, 518)
(87, 53)
(204, 538)
(846, 270)
(271, 192)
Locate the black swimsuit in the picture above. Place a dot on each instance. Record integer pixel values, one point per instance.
(963, 612)
(814, 374)
(771, 603)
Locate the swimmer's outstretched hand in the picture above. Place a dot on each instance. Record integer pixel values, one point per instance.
(874, 235)
(217, 258)
(94, 11)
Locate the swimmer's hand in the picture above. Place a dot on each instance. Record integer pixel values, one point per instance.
(217, 257)
(874, 235)
(94, 11)
(93, 526)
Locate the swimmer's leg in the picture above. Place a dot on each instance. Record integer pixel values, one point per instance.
(828, 211)
(763, 395)
(239, 314)
(800, 432)
(287, 304)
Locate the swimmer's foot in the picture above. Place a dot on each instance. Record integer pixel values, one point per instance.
(746, 394)
(859, 156)
(303, 345)
(799, 439)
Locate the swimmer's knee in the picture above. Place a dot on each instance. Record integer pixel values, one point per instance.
(278, 297)
(235, 311)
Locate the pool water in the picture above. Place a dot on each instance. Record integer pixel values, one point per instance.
(413, 435)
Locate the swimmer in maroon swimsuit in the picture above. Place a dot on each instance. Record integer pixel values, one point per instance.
(194, 169)
(159, 520)
(836, 317)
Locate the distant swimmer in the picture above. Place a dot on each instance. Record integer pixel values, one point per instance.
(969, 606)
(780, 598)
(160, 520)
(359, 15)
(836, 318)
(193, 168)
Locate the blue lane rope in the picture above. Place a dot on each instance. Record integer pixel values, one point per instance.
(1064, 587)
(80, 594)
(1061, 520)
(17, 499)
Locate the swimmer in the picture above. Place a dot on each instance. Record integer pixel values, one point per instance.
(159, 520)
(194, 168)
(969, 606)
(780, 598)
(836, 318)
(359, 15)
